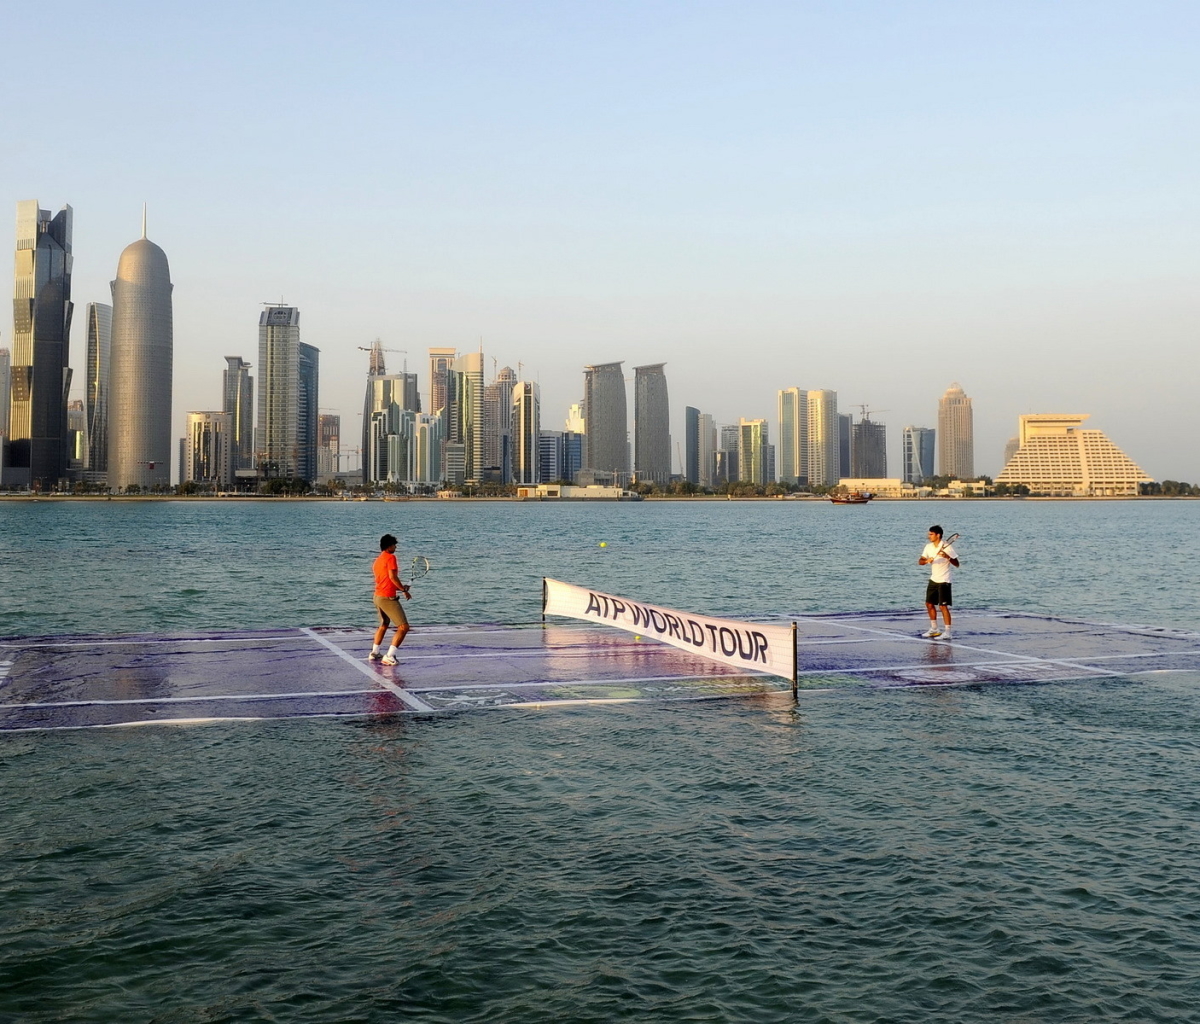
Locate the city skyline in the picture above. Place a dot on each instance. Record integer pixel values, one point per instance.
(1002, 197)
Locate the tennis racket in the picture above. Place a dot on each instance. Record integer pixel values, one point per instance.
(420, 566)
(948, 542)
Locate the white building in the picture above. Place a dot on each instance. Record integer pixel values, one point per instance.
(526, 432)
(1058, 458)
(824, 456)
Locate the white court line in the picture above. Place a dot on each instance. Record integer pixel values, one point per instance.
(591, 682)
(1075, 665)
(413, 702)
(147, 643)
(182, 700)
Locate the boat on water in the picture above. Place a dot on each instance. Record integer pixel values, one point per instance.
(852, 498)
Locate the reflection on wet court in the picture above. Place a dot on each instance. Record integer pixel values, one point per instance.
(82, 682)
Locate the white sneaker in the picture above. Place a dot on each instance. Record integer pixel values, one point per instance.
(387, 659)
(945, 635)
(931, 632)
(375, 656)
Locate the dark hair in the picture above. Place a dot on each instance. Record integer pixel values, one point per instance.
(387, 540)
(936, 529)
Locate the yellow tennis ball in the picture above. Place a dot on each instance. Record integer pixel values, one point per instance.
(604, 543)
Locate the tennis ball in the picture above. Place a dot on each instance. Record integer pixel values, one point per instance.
(604, 543)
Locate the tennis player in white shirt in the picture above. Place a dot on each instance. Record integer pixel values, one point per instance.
(942, 559)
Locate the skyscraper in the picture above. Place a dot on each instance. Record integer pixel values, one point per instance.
(497, 425)
(691, 450)
(845, 443)
(329, 444)
(651, 424)
(238, 387)
(824, 463)
(707, 448)
(793, 436)
(388, 434)
(869, 460)
(140, 372)
(1056, 456)
(467, 402)
(208, 453)
(99, 359)
(956, 435)
(77, 438)
(606, 443)
(440, 360)
(550, 456)
(753, 461)
(730, 442)
(307, 410)
(39, 376)
(918, 454)
(277, 437)
(526, 432)
(5, 396)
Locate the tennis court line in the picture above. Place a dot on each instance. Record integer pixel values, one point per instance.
(182, 700)
(147, 643)
(413, 702)
(622, 681)
(1062, 663)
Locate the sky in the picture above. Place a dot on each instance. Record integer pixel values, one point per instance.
(878, 198)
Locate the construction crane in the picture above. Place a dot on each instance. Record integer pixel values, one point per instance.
(867, 410)
(378, 346)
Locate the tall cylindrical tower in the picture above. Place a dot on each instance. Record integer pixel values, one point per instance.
(139, 413)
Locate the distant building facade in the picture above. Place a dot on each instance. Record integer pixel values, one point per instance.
(526, 432)
(606, 444)
(824, 464)
(208, 451)
(99, 361)
(756, 457)
(845, 443)
(793, 436)
(141, 370)
(917, 445)
(651, 424)
(329, 444)
(440, 361)
(307, 411)
(956, 435)
(39, 378)
(277, 437)
(870, 450)
(1058, 458)
(238, 391)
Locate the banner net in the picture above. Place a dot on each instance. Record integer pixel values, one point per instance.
(744, 645)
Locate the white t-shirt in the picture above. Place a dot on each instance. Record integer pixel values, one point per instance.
(940, 568)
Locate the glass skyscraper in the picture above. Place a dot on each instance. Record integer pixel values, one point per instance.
(918, 454)
(526, 432)
(140, 370)
(606, 443)
(277, 437)
(793, 436)
(99, 359)
(307, 411)
(39, 379)
(651, 424)
(239, 403)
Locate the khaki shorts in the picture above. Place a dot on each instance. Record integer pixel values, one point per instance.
(390, 612)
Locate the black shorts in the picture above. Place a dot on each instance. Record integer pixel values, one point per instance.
(938, 593)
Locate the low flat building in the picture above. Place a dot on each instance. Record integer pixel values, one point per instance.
(1057, 458)
(879, 487)
(567, 492)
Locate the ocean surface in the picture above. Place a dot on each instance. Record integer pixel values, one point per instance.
(1004, 853)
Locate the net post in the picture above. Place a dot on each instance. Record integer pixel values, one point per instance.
(795, 665)
(543, 600)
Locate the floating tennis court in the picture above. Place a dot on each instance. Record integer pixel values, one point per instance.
(90, 682)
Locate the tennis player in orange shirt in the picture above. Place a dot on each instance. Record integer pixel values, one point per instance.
(387, 604)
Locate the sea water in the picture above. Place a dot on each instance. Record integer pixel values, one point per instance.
(1016, 853)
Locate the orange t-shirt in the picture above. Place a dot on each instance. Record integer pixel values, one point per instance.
(384, 587)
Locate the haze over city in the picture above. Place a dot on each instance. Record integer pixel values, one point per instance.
(873, 199)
